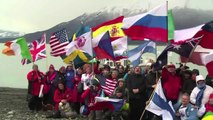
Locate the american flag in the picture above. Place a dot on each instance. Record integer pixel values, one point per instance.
(37, 49)
(58, 41)
(108, 85)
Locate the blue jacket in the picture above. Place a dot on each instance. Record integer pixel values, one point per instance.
(191, 112)
(69, 78)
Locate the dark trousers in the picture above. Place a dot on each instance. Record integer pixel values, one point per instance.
(35, 103)
(136, 108)
(76, 106)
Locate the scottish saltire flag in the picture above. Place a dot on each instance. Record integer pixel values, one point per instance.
(37, 50)
(151, 25)
(103, 47)
(135, 54)
(159, 104)
(108, 103)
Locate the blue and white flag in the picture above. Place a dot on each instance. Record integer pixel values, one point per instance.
(135, 54)
(159, 104)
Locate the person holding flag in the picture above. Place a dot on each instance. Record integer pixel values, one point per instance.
(36, 79)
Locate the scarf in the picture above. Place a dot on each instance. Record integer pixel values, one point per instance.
(200, 95)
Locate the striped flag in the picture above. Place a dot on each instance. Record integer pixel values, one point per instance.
(58, 41)
(108, 85)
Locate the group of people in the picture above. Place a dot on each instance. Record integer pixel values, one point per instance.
(70, 92)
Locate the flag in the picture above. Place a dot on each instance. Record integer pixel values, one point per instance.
(120, 47)
(78, 57)
(37, 50)
(17, 47)
(185, 49)
(159, 104)
(208, 62)
(135, 54)
(208, 116)
(151, 25)
(162, 58)
(171, 25)
(58, 41)
(82, 43)
(107, 85)
(197, 56)
(112, 26)
(113, 104)
(103, 47)
(83, 29)
(207, 33)
(180, 36)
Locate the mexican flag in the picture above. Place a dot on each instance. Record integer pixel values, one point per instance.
(16, 48)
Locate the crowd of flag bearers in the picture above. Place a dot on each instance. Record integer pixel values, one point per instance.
(158, 91)
(120, 92)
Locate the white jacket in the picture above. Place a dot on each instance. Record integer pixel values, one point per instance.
(206, 94)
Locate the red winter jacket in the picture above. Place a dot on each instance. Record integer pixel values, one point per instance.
(88, 94)
(76, 97)
(171, 84)
(60, 95)
(33, 78)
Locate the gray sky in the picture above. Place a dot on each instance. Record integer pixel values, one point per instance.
(36, 15)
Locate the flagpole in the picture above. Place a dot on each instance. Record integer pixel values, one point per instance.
(150, 98)
(46, 51)
(157, 80)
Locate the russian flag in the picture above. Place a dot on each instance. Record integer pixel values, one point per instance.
(151, 25)
(103, 47)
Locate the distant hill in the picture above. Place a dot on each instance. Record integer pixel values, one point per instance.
(184, 18)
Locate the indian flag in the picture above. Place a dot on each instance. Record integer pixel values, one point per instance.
(17, 47)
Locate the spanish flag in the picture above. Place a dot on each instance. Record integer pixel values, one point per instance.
(113, 26)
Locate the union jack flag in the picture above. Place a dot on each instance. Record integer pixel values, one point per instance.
(37, 49)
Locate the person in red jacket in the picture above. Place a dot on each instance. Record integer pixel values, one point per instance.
(171, 82)
(89, 94)
(76, 95)
(36, 79)
(62, 95)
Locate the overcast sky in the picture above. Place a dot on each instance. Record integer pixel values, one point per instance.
(36, 15)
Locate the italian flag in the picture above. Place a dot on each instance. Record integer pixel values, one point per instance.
(17, 47)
